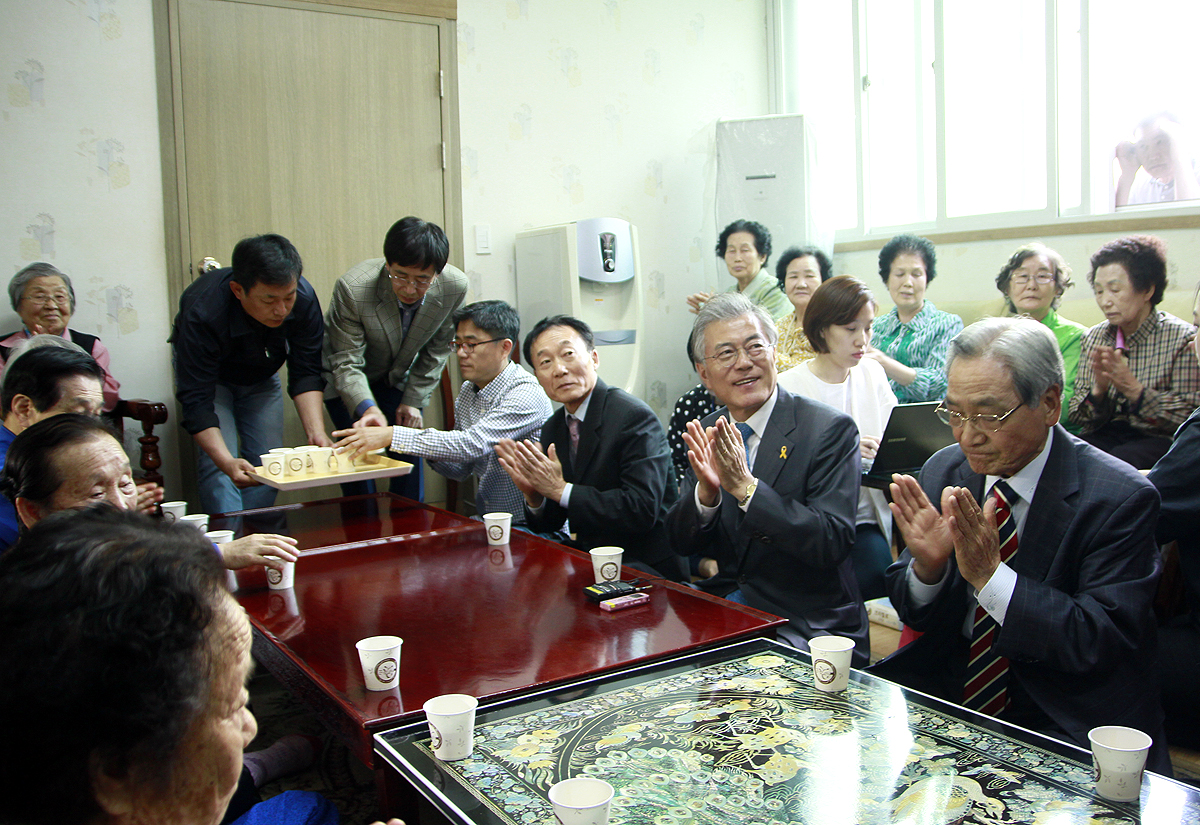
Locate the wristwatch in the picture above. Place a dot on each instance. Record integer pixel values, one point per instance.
(750, 488)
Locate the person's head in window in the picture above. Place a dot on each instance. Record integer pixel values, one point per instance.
(907, 264)
(1033, 280)
(1128, 278)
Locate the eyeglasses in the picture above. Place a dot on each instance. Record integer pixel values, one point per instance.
(469, 346)
(43, 298)
(1040, 277)
(991, 423)
(420, 282)
(727, 356)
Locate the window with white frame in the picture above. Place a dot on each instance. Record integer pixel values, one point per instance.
(960, 114)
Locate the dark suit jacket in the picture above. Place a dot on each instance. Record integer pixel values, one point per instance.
(789, 553)
(1079, 631)
(622, 480)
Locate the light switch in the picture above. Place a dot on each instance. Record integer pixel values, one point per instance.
(483, 239)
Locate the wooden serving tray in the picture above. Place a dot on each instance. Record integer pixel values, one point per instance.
(381, 467)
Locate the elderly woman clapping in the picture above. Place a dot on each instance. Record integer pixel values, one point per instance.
(45, 300)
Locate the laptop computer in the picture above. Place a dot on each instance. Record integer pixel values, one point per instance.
(913, 434)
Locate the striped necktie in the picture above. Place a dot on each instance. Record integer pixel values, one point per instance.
(985, 687)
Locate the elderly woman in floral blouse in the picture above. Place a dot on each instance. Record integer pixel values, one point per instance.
(800, 271)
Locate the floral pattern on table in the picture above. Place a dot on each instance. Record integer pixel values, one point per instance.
(752, 741)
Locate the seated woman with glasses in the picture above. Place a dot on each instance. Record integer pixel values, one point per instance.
(45, 301)
(838, 321)
(1032, 283)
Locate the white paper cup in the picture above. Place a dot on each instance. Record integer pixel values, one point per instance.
(606, 563)
(583, 800)
(197, 520)
(451, 725)
(380, 658)
(320, 459)
(220, 537)
(272, 463)
(172, 510)
(295, 463)
(1119, 757)
(338, 462)
(310, 454)
(498, 526)
(831, 662)
(282, 579)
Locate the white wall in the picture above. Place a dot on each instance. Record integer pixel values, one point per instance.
(574, 110)
(82, 178)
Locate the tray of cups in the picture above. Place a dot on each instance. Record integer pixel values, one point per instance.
(297, 468)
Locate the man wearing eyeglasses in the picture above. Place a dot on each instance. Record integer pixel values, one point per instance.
(388, 331)
(1036, 604)
(497, 400)
(773, 488)
(602, 463)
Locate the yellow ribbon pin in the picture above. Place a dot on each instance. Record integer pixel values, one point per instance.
(783, 452)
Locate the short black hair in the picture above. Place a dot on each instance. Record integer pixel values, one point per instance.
(585, 332)
(38, 373)
(794, 252)
(266, 259)
(416, 243)
(497, 318)
(908, 243)
(30, 470)
(1144, 258)
(762, 237)
(106, 653)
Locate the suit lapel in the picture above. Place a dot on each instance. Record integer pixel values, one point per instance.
(589, 429)
(389, 311)
(1049, 513)
(778, 440)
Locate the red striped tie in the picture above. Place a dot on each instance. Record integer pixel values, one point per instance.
(986, 685)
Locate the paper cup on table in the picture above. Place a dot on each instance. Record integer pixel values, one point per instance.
(197, 520)
(581, 801)
(172, 510)
(1119, 757)
(451, 725)
(272, 463)
(831, 662)
(498, 526)
(281, 579)
(380, 658)
(606, 563)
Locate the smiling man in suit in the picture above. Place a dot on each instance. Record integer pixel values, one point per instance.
(1035, 607)
(388, 333)
(773, 487)
(603, 460)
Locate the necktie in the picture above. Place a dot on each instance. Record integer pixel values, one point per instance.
(746, 430)
(573, 427)
(985, 688)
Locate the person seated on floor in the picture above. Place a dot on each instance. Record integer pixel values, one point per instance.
(497, 400)
(1030, 563)
(773, 486)
(1138, 380)
(837, 321)
(71, 460)
(1177, 477)
(800, 271)
(602, 460)
(123, 669)
(45, 301)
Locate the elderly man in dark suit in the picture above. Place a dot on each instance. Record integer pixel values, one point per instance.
(1035, 607)
(603, 460)
(773, 486)
(388, 333)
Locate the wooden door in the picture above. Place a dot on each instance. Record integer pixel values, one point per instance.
(322, 123)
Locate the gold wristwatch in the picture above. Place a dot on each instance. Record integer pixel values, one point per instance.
(750, 488)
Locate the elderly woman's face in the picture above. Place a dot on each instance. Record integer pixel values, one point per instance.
(45, 305)
(742, 258)
(208, 762)
(1032, 286)
(800, 281)
(906, 282)
(92, 471)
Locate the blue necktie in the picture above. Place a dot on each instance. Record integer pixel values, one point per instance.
(746, 430)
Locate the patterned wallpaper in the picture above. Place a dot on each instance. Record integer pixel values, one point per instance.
(82, 175)
(606, 109)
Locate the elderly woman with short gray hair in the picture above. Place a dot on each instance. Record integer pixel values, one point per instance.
(45, 301)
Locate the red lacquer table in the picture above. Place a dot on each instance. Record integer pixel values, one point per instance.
(488, 621)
